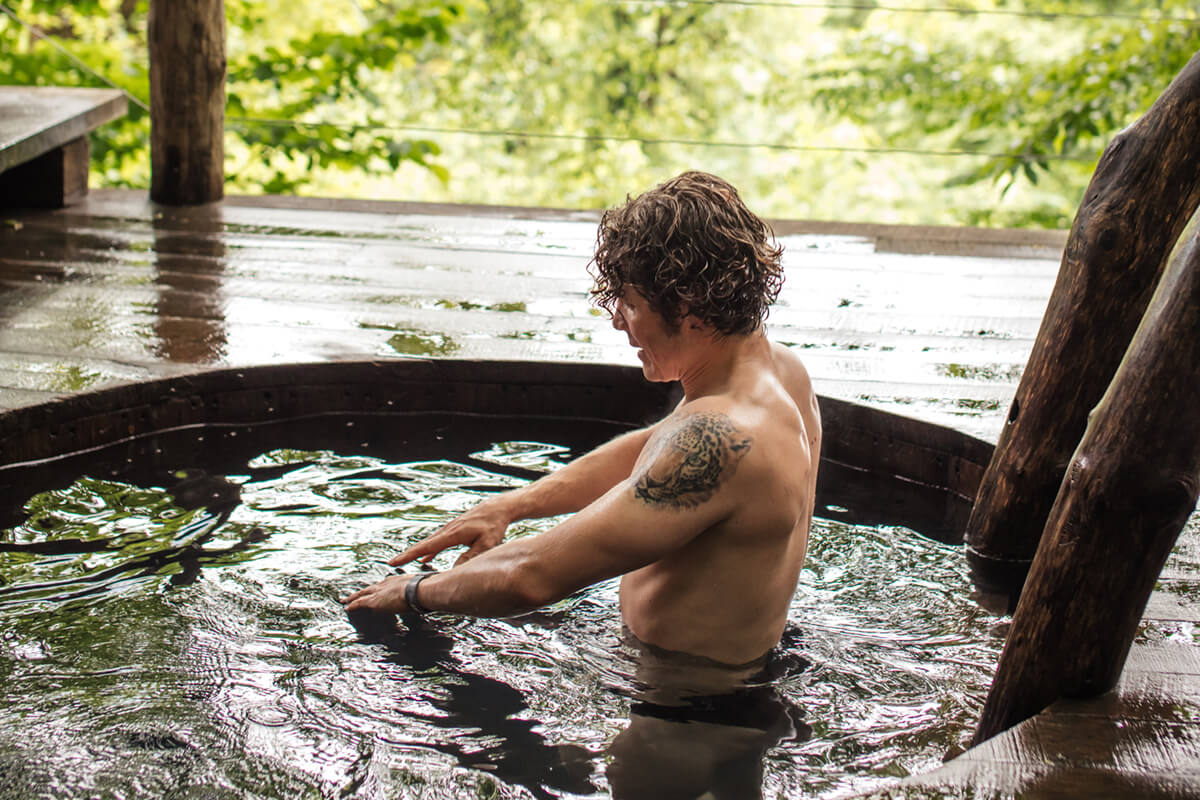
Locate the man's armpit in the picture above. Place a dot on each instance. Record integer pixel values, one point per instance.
(691, 460)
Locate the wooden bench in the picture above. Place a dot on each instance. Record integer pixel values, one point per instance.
(44, 148)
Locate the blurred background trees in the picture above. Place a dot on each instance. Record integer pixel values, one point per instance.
(987, 112)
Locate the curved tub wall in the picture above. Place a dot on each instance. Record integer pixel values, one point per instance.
(894, 470)
(877, 468)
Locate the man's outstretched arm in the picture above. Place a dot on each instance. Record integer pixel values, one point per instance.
(679, 492)
(564, 491)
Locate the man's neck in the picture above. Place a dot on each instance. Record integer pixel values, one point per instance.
(719, 360)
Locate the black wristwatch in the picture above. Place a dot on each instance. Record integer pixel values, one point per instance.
(410, 593)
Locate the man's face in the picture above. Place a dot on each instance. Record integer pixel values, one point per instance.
(658, 347)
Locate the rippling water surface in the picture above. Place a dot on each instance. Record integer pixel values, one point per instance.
(190, 644)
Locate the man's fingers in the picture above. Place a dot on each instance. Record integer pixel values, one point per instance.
(471, 552)
(353, 597)
(364, 602)
(428, 549)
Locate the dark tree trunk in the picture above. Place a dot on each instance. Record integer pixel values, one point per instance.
(1146, 187)
(187, 101)
(1131, 486)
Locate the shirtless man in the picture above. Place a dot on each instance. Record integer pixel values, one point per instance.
(706, 513)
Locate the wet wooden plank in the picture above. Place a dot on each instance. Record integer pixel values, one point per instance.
(562, 307)
(27, 397)
(1175, 599)
(1139, 743)
(1184, 560)
(1181, 657)
(1137, 746)
(971, 778)
(1148, 696)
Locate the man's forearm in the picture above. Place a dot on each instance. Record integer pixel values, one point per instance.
(565, 491)
(508, 579)
(579, 483)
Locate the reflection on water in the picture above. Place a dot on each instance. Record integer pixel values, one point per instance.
(711, 747)
(187, 639)
(189, 309)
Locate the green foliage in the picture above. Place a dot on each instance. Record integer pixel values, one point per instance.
(1042, 97)
(130, 522)
(581, 86)
(307, 97)
(1038, 96)
(305, 65)
(862, 112)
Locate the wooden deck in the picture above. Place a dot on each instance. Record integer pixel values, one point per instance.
(113, 290)
(933, 323)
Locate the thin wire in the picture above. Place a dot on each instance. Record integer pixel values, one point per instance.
(583, 137)
(1047, 15)
(41, 34)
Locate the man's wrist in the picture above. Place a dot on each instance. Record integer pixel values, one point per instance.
(510, 506)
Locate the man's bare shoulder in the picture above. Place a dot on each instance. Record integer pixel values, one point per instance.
(691, 455)
(791, 369)
(794, 378)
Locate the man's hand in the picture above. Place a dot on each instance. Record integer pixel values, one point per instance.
(386, 595)
(479, 529)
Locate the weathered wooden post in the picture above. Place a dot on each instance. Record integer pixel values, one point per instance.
(1130, 488)
(187, 101)
(1146, 187)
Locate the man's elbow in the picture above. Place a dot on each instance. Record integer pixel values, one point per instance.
(531, 586)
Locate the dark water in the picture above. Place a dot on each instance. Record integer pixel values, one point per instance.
(191, 645)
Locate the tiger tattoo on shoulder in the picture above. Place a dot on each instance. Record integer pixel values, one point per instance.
(691, 460)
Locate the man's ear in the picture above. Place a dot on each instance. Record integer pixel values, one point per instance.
(695, 323)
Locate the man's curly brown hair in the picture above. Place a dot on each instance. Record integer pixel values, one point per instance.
(689, 246)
